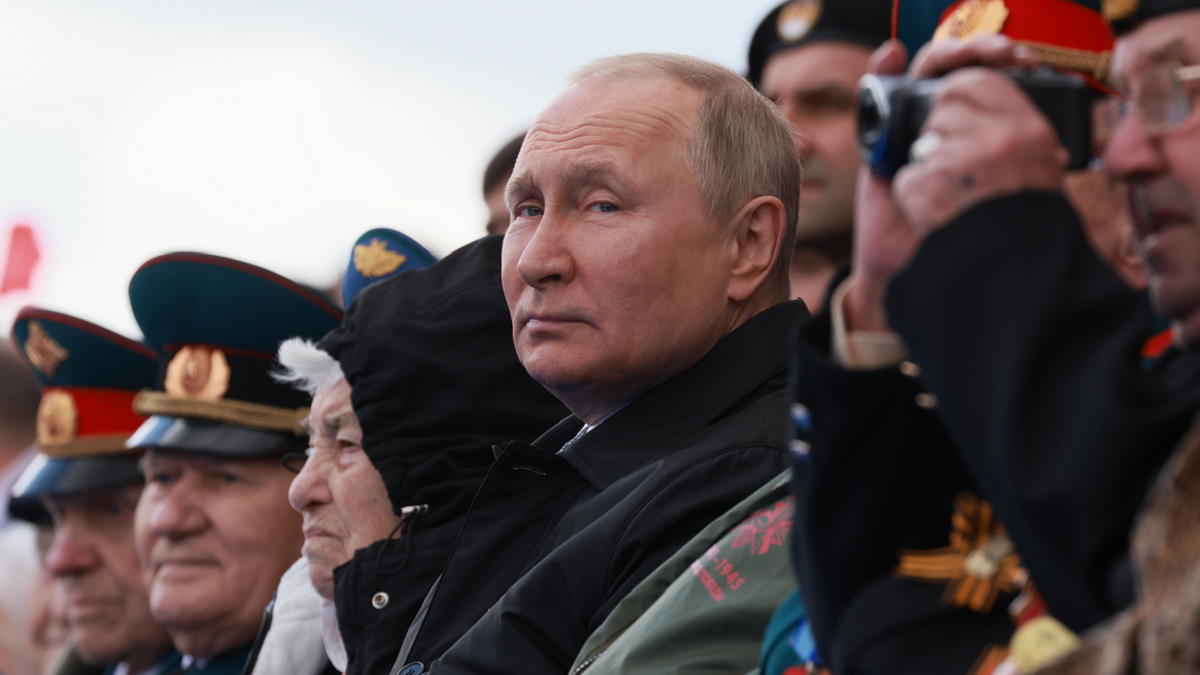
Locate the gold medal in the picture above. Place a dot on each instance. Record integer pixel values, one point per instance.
(1115, 10)
(1041, 641)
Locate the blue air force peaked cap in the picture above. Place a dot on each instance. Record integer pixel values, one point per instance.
(217, 324)
(379, 254)
(89, 378)
(800, 22)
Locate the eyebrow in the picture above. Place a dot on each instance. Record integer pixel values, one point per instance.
(575, 176)
(331, 424)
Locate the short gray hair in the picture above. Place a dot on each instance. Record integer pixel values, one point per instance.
(742, 147)
(306, 366)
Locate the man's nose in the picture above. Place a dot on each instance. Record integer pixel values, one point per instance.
(1130, 154)
(71, 552)
(177, 513)
(546, 256)
(310, 487)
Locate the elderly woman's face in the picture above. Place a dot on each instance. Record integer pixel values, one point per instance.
(214, 536)
(341, 495)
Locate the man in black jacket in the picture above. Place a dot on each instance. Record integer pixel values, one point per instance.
(646, 270)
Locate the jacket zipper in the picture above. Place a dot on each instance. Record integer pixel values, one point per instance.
(590, 660)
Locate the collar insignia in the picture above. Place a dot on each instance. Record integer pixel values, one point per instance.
(44, 353)
(57, 418)
(797, 18)
(198, 373)
(973, 18)
(374, 260)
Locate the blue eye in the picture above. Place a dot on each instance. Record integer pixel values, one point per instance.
(162, 478)
(605, 207)
(530, 212)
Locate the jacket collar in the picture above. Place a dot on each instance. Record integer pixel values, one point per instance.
(647, 428)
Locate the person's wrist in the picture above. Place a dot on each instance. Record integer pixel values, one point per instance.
(863, 305)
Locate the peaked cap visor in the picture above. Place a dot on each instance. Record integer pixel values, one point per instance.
(48, 477)
(187, 434)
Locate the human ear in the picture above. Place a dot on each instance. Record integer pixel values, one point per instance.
(757, 243)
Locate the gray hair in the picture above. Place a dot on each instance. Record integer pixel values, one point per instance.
(307, 367)
(741, 148)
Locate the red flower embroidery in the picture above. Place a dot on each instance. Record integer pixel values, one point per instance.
(773, 524)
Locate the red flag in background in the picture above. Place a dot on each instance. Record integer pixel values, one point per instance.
(22, 259)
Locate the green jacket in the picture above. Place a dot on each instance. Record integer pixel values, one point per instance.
(705, 609)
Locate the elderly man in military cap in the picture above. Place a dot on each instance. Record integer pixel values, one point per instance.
(807, 56)
(213, 527)
(90, 484)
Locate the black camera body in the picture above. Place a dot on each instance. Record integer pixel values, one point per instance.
(891, 111)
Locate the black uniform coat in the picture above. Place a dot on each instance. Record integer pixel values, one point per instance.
(880, 475)
(436, 383)
(585, 526)
(1031, 344)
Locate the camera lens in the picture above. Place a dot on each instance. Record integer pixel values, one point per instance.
(873, 115)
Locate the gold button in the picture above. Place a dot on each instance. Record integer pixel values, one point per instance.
(910, 369)
(927, 401)
(380, 600)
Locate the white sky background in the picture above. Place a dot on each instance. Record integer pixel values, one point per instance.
(275, 131)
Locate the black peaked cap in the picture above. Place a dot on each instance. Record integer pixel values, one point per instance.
(800, 22)
(436, 380)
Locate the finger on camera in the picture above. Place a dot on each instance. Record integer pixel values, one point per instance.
(973, 97)
(994, 51)
(890, 59)
(928, 195)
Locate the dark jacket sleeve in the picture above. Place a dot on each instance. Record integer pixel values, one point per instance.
(540, 624)
(1031, 344)
(881, 475)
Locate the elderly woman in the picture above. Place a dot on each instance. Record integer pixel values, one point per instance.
(425, 362)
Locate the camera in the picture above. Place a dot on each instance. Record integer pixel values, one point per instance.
(891, 111)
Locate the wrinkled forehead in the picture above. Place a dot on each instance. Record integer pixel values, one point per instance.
(162, 458)
(1173, 37)
(614, 113)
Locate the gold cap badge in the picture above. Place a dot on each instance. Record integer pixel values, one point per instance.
(374, 260)
(973, 18)
(198, 373)
(797, 18)
(44, 353)
(57, 419)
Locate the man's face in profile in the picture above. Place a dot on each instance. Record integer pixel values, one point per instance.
(1162, 169)
(93, 555)
(612, 266)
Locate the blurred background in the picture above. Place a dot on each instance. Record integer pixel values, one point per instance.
(276, 132)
